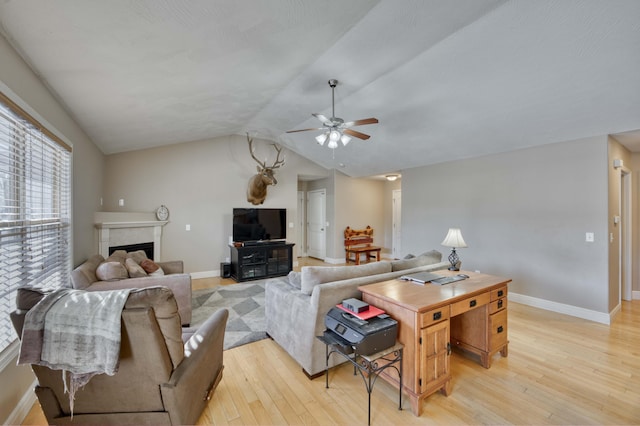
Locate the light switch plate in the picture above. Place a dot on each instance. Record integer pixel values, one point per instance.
(590, 237)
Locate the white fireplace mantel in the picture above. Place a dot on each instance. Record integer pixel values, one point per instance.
(125, 232)
(137, 224)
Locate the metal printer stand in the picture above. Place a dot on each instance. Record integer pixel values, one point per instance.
(372, 364)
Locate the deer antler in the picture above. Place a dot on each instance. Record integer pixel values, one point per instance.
(278, 161)
(263, 164)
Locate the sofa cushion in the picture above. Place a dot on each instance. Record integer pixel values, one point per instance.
(111, 271)
(427, 258)
(311, 276)
(85, 274)
(134, 270)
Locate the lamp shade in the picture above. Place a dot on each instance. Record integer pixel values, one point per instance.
(454, 239)
(322, 138)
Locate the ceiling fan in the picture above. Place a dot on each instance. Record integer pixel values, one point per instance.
(335, 128)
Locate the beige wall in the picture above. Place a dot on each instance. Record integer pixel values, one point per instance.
(19, 83)
(524, 215)
(200, 182)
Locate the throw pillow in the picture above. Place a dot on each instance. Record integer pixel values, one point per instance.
(138, 256)
(314, 275)
(157, 272)
(427, 258)
(295, 279)
(111, 271)
(135, 270)
(117, 256)
(150, 267)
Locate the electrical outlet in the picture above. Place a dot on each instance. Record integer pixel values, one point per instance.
(589, 237)
(187, 228)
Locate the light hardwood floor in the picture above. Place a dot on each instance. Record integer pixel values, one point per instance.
(560, 370)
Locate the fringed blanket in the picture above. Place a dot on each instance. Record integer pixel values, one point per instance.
(75, 331)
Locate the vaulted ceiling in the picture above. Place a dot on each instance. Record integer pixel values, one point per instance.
(447, 79)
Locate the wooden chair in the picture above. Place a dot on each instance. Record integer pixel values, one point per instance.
(359, 241)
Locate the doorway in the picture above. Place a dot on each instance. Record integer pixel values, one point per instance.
(302, 213)
(316, 233)
(396, 230)
(625, 278)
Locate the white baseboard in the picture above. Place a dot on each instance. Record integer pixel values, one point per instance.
(635, 295)
(333, 261)
(204, 274)
(21, 410)
(562, 308)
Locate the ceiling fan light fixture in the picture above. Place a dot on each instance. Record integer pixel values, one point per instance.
(322, 138)
(334, 127)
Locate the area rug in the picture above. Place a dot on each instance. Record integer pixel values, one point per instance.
(245, 303)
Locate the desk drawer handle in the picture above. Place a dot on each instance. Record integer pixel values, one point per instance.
(472, 303)
(500, 293)
(500, 329)
(499, 303)
(437, 316)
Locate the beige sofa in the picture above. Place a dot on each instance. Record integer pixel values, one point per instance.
(118, 272)
(295, 306)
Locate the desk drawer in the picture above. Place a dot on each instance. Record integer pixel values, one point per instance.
(434, 316)
(498, 325)
(498, 293)
(470, 303)
(497, 305)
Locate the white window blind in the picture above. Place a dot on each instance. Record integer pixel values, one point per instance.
(35, 216)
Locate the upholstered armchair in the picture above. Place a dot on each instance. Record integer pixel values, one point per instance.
(166, 373)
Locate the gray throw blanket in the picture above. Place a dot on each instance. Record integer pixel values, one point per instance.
(75, 331)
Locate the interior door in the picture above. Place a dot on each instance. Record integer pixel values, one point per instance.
(301, 228)
(316, 230)
(397, 224)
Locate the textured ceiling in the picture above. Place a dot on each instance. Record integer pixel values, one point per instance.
(447, 79)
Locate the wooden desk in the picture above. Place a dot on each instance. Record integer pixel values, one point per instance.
(469, 314)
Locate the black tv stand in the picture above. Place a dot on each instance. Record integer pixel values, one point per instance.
(262, 243)
(262, 260)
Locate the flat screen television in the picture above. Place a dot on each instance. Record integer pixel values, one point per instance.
(257, 224)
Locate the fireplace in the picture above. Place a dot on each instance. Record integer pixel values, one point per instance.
(147, 247)
(129, 231)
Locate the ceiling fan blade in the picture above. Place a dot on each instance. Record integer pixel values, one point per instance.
(355, 134)
(304, 130)
(321, 118)
(361, 122)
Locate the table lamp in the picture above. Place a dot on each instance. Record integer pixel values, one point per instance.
(454, 240)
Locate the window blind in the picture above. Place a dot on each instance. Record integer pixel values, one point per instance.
(35, 210)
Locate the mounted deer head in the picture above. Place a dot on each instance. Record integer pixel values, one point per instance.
(257, 190)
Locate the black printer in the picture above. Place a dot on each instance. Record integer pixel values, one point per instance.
(365, 336)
